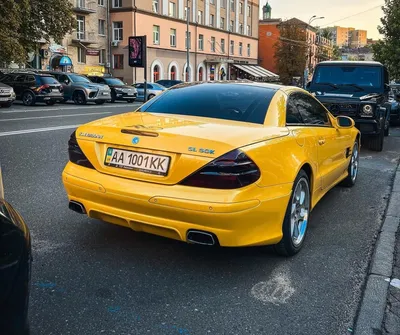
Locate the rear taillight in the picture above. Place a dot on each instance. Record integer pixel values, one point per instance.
(232, 170)
(42, 87)
(75, 153)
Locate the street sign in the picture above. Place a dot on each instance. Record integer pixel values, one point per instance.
(137, 51)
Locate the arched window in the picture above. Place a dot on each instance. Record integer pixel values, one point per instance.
(200, 73)
(173, 73)
(156, 73)
(212, 72)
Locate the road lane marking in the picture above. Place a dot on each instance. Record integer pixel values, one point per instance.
(52, 116)
(37, 130)
(134, 105)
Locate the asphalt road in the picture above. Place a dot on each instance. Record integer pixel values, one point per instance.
(91, 277)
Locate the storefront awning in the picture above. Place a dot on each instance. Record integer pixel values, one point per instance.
(256, 71)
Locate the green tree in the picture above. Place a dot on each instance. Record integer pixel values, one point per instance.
(24, 22)
(291, 51)
(336, 54)
(387, 51)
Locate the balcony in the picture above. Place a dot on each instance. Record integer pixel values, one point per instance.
(84, 37)
(85, 6)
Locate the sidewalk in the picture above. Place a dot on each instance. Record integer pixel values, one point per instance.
(391, 323)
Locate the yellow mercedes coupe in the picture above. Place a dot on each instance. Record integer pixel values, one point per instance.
(230, 164)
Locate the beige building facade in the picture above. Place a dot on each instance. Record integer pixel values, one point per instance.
(348, 37)
(221, 33)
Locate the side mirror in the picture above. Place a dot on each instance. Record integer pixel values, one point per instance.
(344, 122)
(66, 82)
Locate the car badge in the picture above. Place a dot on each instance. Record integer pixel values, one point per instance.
(135, 140)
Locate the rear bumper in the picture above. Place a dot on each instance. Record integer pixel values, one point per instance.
(45, 97)
(171, 211)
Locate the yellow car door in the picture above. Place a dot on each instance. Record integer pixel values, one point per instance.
(330, 148)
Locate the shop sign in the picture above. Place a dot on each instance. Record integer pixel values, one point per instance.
(92, 52)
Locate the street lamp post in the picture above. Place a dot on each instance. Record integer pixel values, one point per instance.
(312, 19)
(187, 41)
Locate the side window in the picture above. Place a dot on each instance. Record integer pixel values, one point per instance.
(30, 79)
(19, 78)
(139, 86)
(149, 87)
(63, 79)
(311, 111)
(293, 116)
(7, 78)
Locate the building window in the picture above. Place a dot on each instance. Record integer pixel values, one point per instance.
(241, 28)
(156, 35)
(172, 73)
(156, 6)
(117, 3)
(248, 30)
(248, 10)
(172, 37)
(100, 2)
(187, 10)
(240, 48)
(211, 20)
(222, 24)
(222, 45)
(190, 40)
(102, 27)
(232, 47)
(200, 17)
(156, 73)
(201, 74)
(212, 2)
(213, 44)
(118, 31)
(232, 5)
(102, 56)
(81, 25)
(248, 50)
(231, 24)
(223, 3)
(118, 62)
(172, 9)
(201, 42)
(81, 55)
(241, 7)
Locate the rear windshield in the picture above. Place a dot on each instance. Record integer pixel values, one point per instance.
(48, 80)
(363, 76)
(243, 103)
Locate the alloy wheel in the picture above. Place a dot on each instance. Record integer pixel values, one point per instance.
(300, 212)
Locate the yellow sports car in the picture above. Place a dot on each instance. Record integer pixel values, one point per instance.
(229, 164)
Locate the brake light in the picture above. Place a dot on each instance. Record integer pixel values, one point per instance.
(42, 87)
(232, 170)
(75, 153)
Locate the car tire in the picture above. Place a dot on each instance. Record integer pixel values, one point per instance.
(298, 209)
(387, 129)
(151, 96)
(352, 169)
(50, 103)
(7, 104)
(99, 102)
(113, 97)
(28, 99)
(79, 98)
(375, 143)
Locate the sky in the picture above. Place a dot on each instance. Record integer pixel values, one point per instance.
(334, 12)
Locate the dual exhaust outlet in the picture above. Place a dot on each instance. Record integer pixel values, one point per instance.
(192, 236)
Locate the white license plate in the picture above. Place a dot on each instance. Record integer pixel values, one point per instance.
(137, 161)
(105, 93)
(3, 99)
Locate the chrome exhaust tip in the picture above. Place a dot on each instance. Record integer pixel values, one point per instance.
(201, 237)
(77, 207)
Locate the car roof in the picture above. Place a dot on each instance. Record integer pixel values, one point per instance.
(347, 62)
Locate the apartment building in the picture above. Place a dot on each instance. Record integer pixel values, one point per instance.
(223, 38)
(85, 49)
(348, 37)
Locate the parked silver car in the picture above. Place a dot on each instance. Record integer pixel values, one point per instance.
(7, 95)
(81, 90)
(153, 89)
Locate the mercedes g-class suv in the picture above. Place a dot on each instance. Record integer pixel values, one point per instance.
(359, 90)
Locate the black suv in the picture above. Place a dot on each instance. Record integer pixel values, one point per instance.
(359, 90)
(119, 91)
(34, 87)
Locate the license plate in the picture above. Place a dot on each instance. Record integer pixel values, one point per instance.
(137, 161)
(3, 99)
(105, 93)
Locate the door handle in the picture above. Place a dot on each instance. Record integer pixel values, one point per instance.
(321, 141)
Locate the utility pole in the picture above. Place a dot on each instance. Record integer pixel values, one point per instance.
(187, 41)
(134, 28)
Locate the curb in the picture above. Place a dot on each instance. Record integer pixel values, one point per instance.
(374, 299)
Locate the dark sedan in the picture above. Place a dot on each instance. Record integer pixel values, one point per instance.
(15, 270)
(119, 90)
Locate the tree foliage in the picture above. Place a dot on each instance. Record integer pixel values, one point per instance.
(387, 51)
(291, 51)
(24, 22)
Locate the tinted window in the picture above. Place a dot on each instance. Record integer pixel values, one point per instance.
(311, 111)
(20, 78)
(7, 78)
(149, 86)
(79, 79)
(139, 85)
(48, 80)
(113, 81)
(292, 113)
(221, 101)
(63, 78)
(364, 76)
